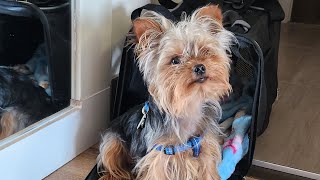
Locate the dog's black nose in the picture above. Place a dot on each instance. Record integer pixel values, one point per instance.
(199, 69)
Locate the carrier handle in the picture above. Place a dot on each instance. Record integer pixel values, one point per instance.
(242, 5)
(153, 7)
(169, 4)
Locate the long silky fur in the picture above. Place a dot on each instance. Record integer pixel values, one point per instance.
(22, 103)
(158, 130)
(153, 45)
(158, 166)
(12, 120)
(179, 108)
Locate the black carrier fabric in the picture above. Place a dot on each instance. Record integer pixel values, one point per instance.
(265, 18)
(254, 58)
(25, 26)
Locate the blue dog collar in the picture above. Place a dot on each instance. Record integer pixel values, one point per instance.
(193, 143)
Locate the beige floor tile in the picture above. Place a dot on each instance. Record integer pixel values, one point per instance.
(299, 53)
(292, 138)
(308, 72)
(300, 35)
(78, 168)
(288, 62)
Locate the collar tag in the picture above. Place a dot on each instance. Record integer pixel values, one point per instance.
(145, 111)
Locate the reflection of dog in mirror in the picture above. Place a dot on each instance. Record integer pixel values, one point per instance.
(37, 68)
(186, 68)
(22, 103)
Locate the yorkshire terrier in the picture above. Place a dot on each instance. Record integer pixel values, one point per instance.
(22, 103)
(185, 66)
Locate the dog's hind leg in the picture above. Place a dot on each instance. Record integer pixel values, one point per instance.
(8, 125)
(114, 159)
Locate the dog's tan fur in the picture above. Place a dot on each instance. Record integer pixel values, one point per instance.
(116, 157)
(159, 166)
(198, 39)
(8, 125)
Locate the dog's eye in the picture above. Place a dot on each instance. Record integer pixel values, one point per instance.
(175, 60)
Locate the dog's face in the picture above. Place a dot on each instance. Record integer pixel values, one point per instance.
(184, 64)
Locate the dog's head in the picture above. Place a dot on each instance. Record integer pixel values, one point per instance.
(184, 64)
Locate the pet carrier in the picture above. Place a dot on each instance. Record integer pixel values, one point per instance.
(250, 73)
(36, 30)
(257, 20)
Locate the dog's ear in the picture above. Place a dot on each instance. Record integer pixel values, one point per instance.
(211, 11)
(150, 26)
(145, 27)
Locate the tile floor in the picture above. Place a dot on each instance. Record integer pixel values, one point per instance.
(292, 138)
(78, 168)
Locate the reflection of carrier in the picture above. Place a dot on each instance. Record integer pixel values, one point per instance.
(35, 39)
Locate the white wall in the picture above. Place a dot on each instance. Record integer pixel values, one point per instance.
(106, 23)
(121, 22)
(93, 47)
(99, 28)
